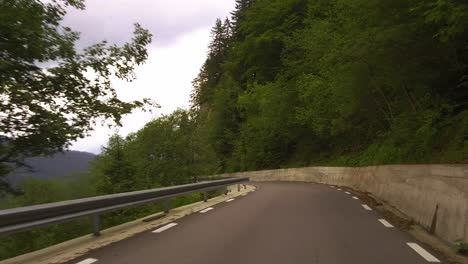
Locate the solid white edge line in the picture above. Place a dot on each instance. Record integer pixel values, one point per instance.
(385, 223)
(164, 228)
(87, 261)
(367, 207)
(422, 252)
(230, 200)
(355, 198)
(206, 210)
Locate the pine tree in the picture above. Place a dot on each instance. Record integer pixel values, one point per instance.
(115, 171)
(211, 71)
(238, 16)
(227, 31)
(216, 45)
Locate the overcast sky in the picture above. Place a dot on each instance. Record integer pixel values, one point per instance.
(181, 32)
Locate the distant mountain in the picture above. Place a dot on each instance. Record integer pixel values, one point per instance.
(55, 166)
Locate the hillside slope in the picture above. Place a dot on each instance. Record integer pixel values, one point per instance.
(311, 82)
(53, 167)
(337, 82)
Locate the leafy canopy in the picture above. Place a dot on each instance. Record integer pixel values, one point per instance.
(51, 92)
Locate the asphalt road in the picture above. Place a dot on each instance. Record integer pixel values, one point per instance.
(279, 223)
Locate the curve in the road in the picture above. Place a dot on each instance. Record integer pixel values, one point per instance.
(280, 223)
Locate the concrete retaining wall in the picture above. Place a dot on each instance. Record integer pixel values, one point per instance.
(415, 190)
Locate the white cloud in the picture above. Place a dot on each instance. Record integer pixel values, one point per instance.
(181, 30)
(166, 77)
(166, 19)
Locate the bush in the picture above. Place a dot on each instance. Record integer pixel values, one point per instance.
(461, 247)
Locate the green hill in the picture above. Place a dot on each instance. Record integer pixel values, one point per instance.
(318, 82)
(337, 82)
(54, 167)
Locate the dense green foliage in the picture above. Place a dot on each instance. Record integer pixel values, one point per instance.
(51, 93)
(168, 151)
(294, 83)
(341, 82)
(111, 173)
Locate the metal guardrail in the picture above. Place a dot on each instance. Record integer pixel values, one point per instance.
(25, 218)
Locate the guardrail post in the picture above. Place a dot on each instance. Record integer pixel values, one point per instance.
(466, 226)
(166, 206)
(96, 225)
(205, 196)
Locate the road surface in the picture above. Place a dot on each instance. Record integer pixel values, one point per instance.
(279, 223)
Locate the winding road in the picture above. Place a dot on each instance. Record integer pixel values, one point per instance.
(279, 223)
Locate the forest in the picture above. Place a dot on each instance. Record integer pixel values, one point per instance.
(306, 83)
(342, 82)
(296, 83)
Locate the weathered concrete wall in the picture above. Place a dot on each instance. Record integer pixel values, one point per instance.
(415, 190)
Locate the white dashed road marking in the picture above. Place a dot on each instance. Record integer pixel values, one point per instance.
(355, 198)
(367, 207)
(206, 210)
(230, 200)
(87, 261)
(347, 192)
(339, 189)
(421, 251)
(164, 228)
(385, 223)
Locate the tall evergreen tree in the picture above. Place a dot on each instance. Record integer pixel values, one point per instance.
(238, 16)
(212, 69)
(113, 168)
